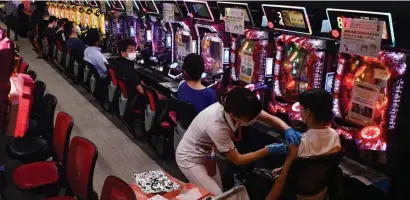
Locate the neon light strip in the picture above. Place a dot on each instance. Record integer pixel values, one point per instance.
(243, 4)
(207, 6)
(154, 6)
(294, 7)
(136, 5)
(366, 12)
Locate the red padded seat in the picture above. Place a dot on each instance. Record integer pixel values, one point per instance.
(137, 111)
(33, 175)
(173, 116)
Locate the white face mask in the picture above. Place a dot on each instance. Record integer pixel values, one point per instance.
(248, 123)
(132, 56)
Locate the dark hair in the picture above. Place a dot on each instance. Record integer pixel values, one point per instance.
(68, 28)
(194, 66)
(124, 44)
(319, 102)
(61, 22)
(52, 19)
(92, 36)
(242, 102)
(45, 14)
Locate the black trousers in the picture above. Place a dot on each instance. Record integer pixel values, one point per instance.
(11, 22)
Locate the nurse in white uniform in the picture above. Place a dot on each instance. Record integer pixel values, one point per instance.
(212, 130)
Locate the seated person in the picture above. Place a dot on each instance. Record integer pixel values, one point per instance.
(92, 53)
(50, 33)
(74, 44)
(60, 35)
(192, 90)
(125, 67)
(320, 139)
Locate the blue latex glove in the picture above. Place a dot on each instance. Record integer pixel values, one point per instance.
(277, 148)
(292, 136)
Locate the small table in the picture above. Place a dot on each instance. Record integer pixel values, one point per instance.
(170, 195)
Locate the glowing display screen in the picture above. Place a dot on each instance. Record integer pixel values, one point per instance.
(335, 19)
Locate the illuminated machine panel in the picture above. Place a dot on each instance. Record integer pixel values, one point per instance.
(287, 18)
(335, 17)
(227, 5)
(183, 47)
(212, 53)
(251, 57)
(367, 95)
(298, 66)
(149, 7)
(199, 10)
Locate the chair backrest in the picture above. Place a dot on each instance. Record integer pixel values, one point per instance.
(116, 189)
(61, 137)
(38, 95)
(23, 67)
(237, 193)
(32, 74)
(111, 73)
(309, 176)
(152, 96)
(47, 115)
(185, 112)
(59, 45)
(123, 87)
(82, 156)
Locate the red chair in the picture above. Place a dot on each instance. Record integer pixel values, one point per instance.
(130, 111)
(116, 189)
(34, 175)
(112, 89)
(82, 157)
(159, 122)
(23, 67)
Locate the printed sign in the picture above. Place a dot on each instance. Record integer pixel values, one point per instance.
(235, 20)
(168, 11)
(129, 8)
(246, 67)
(363, 103)
(361, 37)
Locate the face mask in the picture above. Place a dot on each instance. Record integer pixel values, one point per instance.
(132, 56)
(247, 123)
(301, 116)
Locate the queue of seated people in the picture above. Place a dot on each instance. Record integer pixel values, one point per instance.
(118, 88)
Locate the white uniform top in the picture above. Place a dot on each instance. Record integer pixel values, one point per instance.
(316, 142)
(211, 128)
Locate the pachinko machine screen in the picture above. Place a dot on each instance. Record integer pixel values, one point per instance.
(212, 53)
(367, 94)
(183, 47)
(298, 66)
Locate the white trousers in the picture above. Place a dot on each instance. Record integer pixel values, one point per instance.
(199, 176)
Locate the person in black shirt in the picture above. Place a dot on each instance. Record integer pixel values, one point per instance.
(60, 35)
(50, 34)
(74, 44)
(125, 67)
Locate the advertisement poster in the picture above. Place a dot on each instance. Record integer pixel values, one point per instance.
(129, 8)
(181, 49)
(361, 37)
(141, 36)
(168, 11)
(246, 68)
(235, 20)
(363, 103)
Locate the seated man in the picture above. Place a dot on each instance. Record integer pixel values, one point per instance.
(125, 69)
(316, 106)
(74, 44)
(92, 53)
(192, 90)
(50, 33)
(125, 66)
